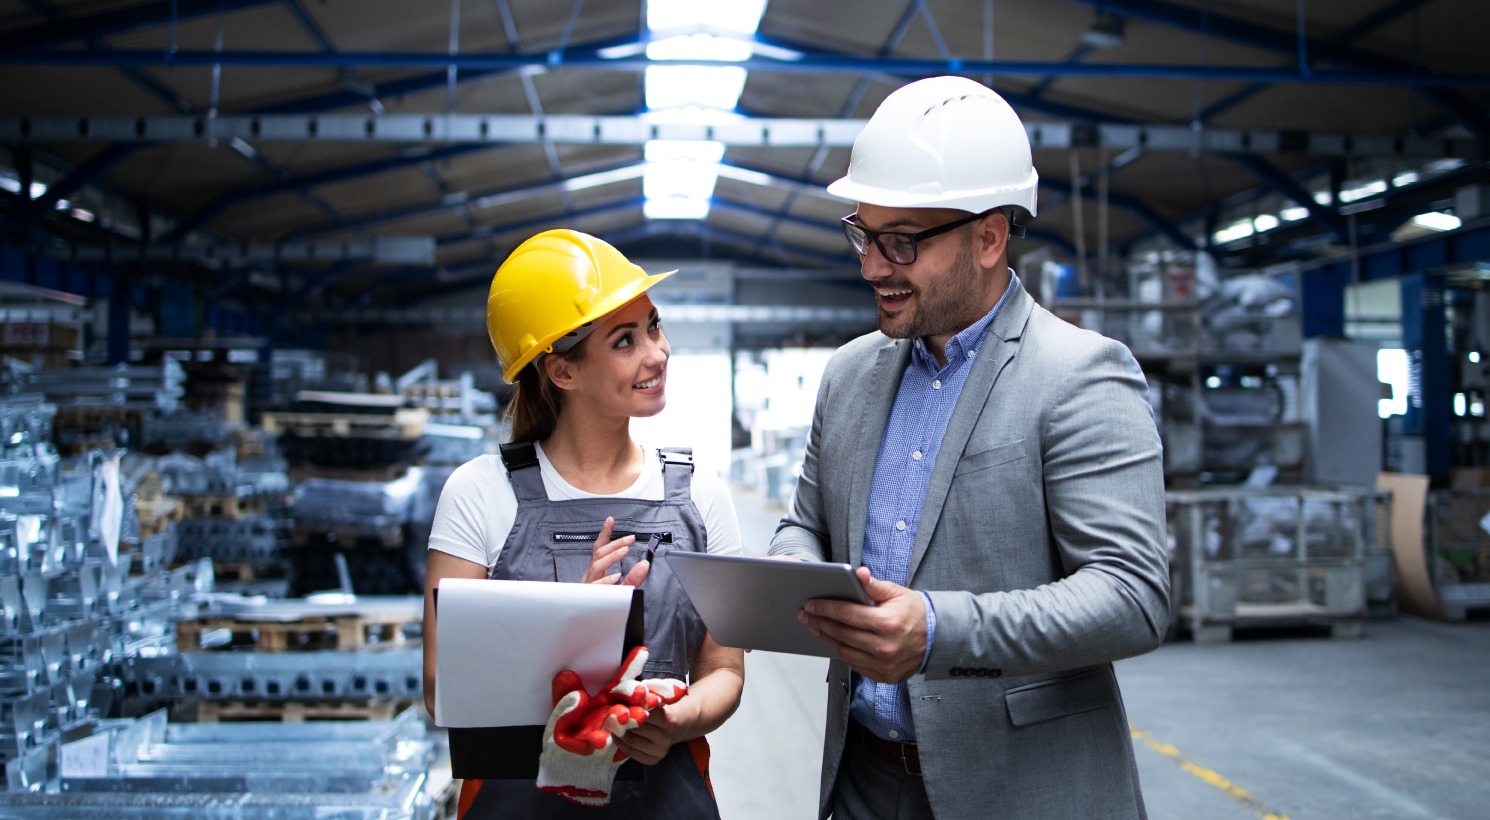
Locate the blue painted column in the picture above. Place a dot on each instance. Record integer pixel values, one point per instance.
(1424, 336)
(1322, 300)
(121, 294)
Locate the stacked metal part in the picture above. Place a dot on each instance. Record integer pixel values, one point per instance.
(180, 430)
(150, 768)
(154, 387)
(366, 508)
(1272, 556)
(234, 510)
(71, 608)
(101, 407)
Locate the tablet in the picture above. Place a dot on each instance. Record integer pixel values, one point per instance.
(752, 603)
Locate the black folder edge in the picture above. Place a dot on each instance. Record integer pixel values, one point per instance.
(511, 752)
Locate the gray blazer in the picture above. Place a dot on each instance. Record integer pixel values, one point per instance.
(1042, 548)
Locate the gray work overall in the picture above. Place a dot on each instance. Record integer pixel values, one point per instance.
(553, 541)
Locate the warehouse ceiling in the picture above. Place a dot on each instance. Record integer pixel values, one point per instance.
(350, 154)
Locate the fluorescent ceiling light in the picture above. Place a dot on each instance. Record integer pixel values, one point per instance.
(618, 52)
(675, 208)
(1405, 178)
(716, 87)
(1293, 214)
(1437, 221)
(1266, 222)
(595, 180)
(747, 176)
(698, 47)
(680, 177)
(743, 16)
(1375, 186)
(1240, 230)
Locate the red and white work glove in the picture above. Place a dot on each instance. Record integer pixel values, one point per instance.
(580, 757)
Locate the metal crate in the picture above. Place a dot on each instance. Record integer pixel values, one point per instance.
(1273, 556)
(1459, 548)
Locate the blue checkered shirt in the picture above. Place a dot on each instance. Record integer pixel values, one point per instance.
(913, 437)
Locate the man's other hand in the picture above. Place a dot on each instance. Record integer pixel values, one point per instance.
(885, 642)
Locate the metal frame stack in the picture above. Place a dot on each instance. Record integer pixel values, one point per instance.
(1272, 557)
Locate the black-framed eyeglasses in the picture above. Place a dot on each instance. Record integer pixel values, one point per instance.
(899, 248)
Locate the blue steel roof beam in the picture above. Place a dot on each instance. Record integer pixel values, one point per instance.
(751, 244)
(1055, 191)
(1271, 176)
(307, 181)
(314, 283)
(1358, 29)
(1281, 41)
(548, 220)
(119, 21)
(807, 64)
(1076, 56)
(82, 174)
(349, 79)
(440, 206)
(413, 85)
(1379, 18)
(815, 163)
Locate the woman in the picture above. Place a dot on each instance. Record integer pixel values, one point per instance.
(574, 329)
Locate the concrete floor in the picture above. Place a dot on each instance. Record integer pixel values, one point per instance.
(1282, 725)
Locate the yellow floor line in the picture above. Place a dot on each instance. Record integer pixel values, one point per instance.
(1230, 789)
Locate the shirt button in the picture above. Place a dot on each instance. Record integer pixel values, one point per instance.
(916, 456)
(900, 525)
(894, 733)
(936, 385)
(972, 354)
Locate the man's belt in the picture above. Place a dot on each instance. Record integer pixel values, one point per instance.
(904, 756)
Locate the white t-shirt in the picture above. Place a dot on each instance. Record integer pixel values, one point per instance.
(477, 507)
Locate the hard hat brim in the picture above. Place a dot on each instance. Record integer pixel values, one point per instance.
(1023, 196)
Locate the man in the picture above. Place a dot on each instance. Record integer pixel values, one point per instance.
(995, 473)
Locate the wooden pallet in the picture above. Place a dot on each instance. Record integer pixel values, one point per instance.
(223, 506)
(350, 633)
(155, 514)
(298, 711)
(405, 423)
(1271, 617)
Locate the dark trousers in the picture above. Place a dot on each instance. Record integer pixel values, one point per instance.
(871, 789)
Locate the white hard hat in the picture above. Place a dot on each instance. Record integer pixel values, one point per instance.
(942, 142)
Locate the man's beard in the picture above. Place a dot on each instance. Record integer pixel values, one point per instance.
(954, 305)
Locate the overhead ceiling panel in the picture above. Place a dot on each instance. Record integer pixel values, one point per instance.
(267, 219)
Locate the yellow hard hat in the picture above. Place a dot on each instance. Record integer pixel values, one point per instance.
(556, 285)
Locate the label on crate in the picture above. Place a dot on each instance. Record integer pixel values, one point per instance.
(27, 334)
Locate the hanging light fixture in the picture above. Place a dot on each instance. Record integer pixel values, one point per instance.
(1106, 31)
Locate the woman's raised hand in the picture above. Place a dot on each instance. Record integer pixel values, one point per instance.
(608, 553)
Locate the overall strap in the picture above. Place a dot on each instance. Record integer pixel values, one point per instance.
(677, 472)
(521, 460)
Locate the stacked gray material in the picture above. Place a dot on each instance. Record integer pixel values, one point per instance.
(178, 430)
(363, 508)
(1273, 556)
(69, 607)
(156, 387)
(150, 768)
(253, 539)
(235, 510)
